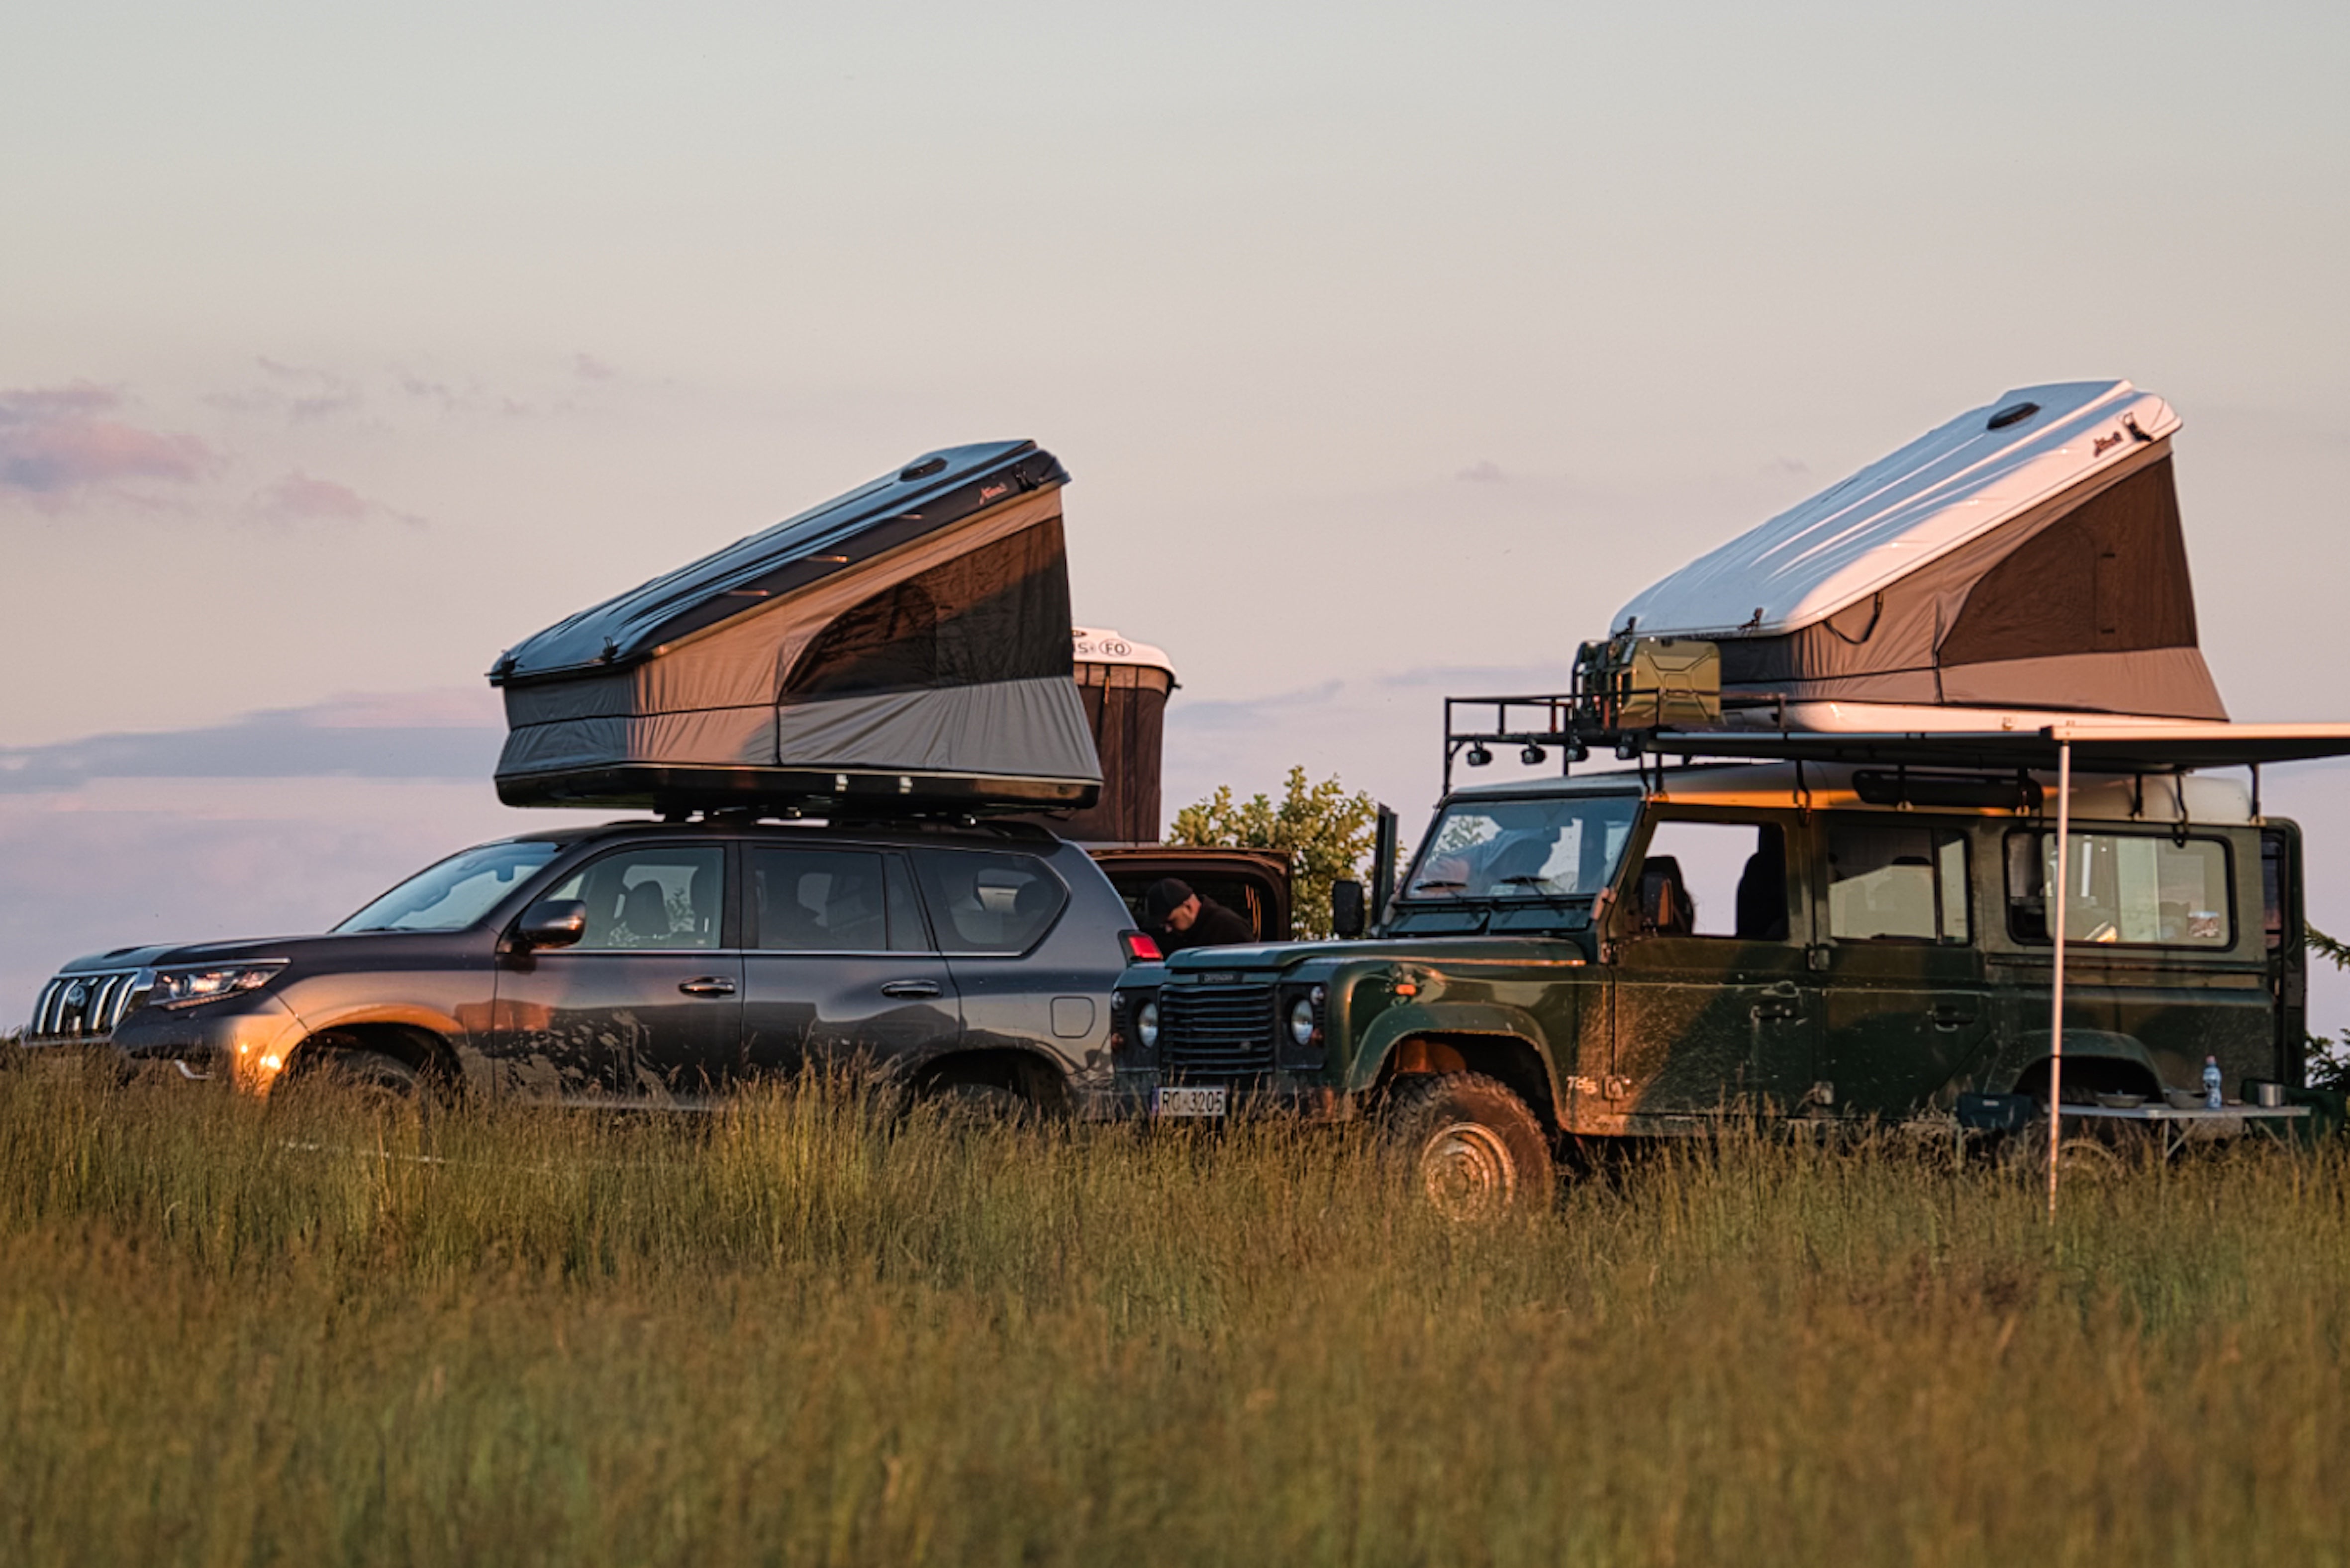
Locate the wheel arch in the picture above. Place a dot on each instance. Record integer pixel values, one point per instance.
(2096, 1061)
(1511, 1057)
(424, 1048)
(1037, 1078)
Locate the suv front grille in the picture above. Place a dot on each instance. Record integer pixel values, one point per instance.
(1216, 1031)
(85, 1007)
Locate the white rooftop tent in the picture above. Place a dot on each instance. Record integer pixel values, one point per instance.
(2026, 556)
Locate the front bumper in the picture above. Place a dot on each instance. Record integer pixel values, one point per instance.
(1297, 1096)
(245, 1041)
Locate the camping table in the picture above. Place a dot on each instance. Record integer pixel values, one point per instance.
(2176, 1128)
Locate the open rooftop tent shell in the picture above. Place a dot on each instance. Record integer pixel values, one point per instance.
(903, 647)
(2027, 554)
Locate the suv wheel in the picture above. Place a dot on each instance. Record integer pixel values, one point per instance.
(381, 1085)
(1471, 1148)
(964, 1102)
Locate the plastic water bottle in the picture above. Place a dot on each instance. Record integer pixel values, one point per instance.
(2211, 1100)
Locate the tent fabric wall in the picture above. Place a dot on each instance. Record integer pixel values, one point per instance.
(1126, 709)
(1003, 727)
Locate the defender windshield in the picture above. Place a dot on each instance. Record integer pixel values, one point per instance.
(455, 893)
(1559, 847)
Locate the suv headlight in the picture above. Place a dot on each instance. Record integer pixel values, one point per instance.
(1146, 1024)
(179, 987)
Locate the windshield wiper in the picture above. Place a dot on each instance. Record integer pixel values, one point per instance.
(1437, 887)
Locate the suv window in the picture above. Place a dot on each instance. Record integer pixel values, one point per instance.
(455, 893)
(655, 896)
(2127, 888)
(832, 900)
(1896, 884)
(987, 901)
(1715, 880)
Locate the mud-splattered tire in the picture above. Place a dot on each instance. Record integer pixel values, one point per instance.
(1467, 1146)
(2080, 1157)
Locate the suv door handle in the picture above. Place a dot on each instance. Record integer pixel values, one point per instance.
(708, 985)
(911, 988)
(1765, 1011)
(1948, 1017)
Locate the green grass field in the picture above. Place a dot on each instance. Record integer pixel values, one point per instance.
(802, 1333)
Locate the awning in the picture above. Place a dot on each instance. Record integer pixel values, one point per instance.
(2097, 746)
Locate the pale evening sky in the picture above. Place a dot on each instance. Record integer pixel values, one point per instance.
(1391, 348)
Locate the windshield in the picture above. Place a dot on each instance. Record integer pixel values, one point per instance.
(455, 893)
(1564, 846)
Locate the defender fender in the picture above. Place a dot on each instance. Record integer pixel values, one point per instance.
(1496, 1022)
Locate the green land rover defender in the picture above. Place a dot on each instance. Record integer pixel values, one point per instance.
(1647, 951)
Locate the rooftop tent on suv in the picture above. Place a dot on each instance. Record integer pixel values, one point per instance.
(2026, 555)
(904, 644)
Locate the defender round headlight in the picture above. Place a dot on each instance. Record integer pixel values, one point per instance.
(1301, 1020)
(1146, 1024)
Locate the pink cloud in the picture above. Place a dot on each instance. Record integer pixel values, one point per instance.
(301, 498)
(57, 442)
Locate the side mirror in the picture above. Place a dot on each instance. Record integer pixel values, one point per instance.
(552, 923)
(1347, 908)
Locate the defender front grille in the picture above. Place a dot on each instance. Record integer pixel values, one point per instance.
(86, 1007)
(1216, 1031)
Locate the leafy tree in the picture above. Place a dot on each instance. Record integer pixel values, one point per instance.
(1327, 833)
(2329, 1060)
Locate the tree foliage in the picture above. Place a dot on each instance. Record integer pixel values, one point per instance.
(1326, 832)
(2329, 1060)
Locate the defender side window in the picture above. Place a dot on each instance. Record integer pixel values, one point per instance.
(1715, 880)
(2125, 888)
(1896, 884)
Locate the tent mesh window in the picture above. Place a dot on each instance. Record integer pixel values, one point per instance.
(1001, 613)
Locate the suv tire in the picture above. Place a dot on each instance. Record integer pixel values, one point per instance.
(1469, 1147)
(383, 1086)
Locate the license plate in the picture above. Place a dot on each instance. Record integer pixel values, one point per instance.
(1188, 1102)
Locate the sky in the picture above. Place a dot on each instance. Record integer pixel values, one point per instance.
(1391, 348)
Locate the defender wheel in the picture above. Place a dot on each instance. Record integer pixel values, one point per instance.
(1469, 1147)
(2081, 1156)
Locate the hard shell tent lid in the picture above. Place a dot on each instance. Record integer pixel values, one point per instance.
(905, 646)
(2027, 553)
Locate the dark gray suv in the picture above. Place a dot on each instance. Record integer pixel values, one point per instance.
(654, 964)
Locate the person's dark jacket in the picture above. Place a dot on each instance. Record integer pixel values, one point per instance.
(1213, 927)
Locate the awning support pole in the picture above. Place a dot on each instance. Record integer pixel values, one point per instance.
(2056, 997)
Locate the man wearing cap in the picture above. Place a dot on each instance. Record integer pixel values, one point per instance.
(1181, 919)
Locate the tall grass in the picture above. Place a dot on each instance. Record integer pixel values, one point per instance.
(803, 1332)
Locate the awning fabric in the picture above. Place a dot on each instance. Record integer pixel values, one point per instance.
(905, 645)
(2099, 746)
(2027, 553)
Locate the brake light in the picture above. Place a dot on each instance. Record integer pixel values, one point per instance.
(1141, 947)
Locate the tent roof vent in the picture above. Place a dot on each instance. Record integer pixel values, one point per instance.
(2014, 414)
(922, 470)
